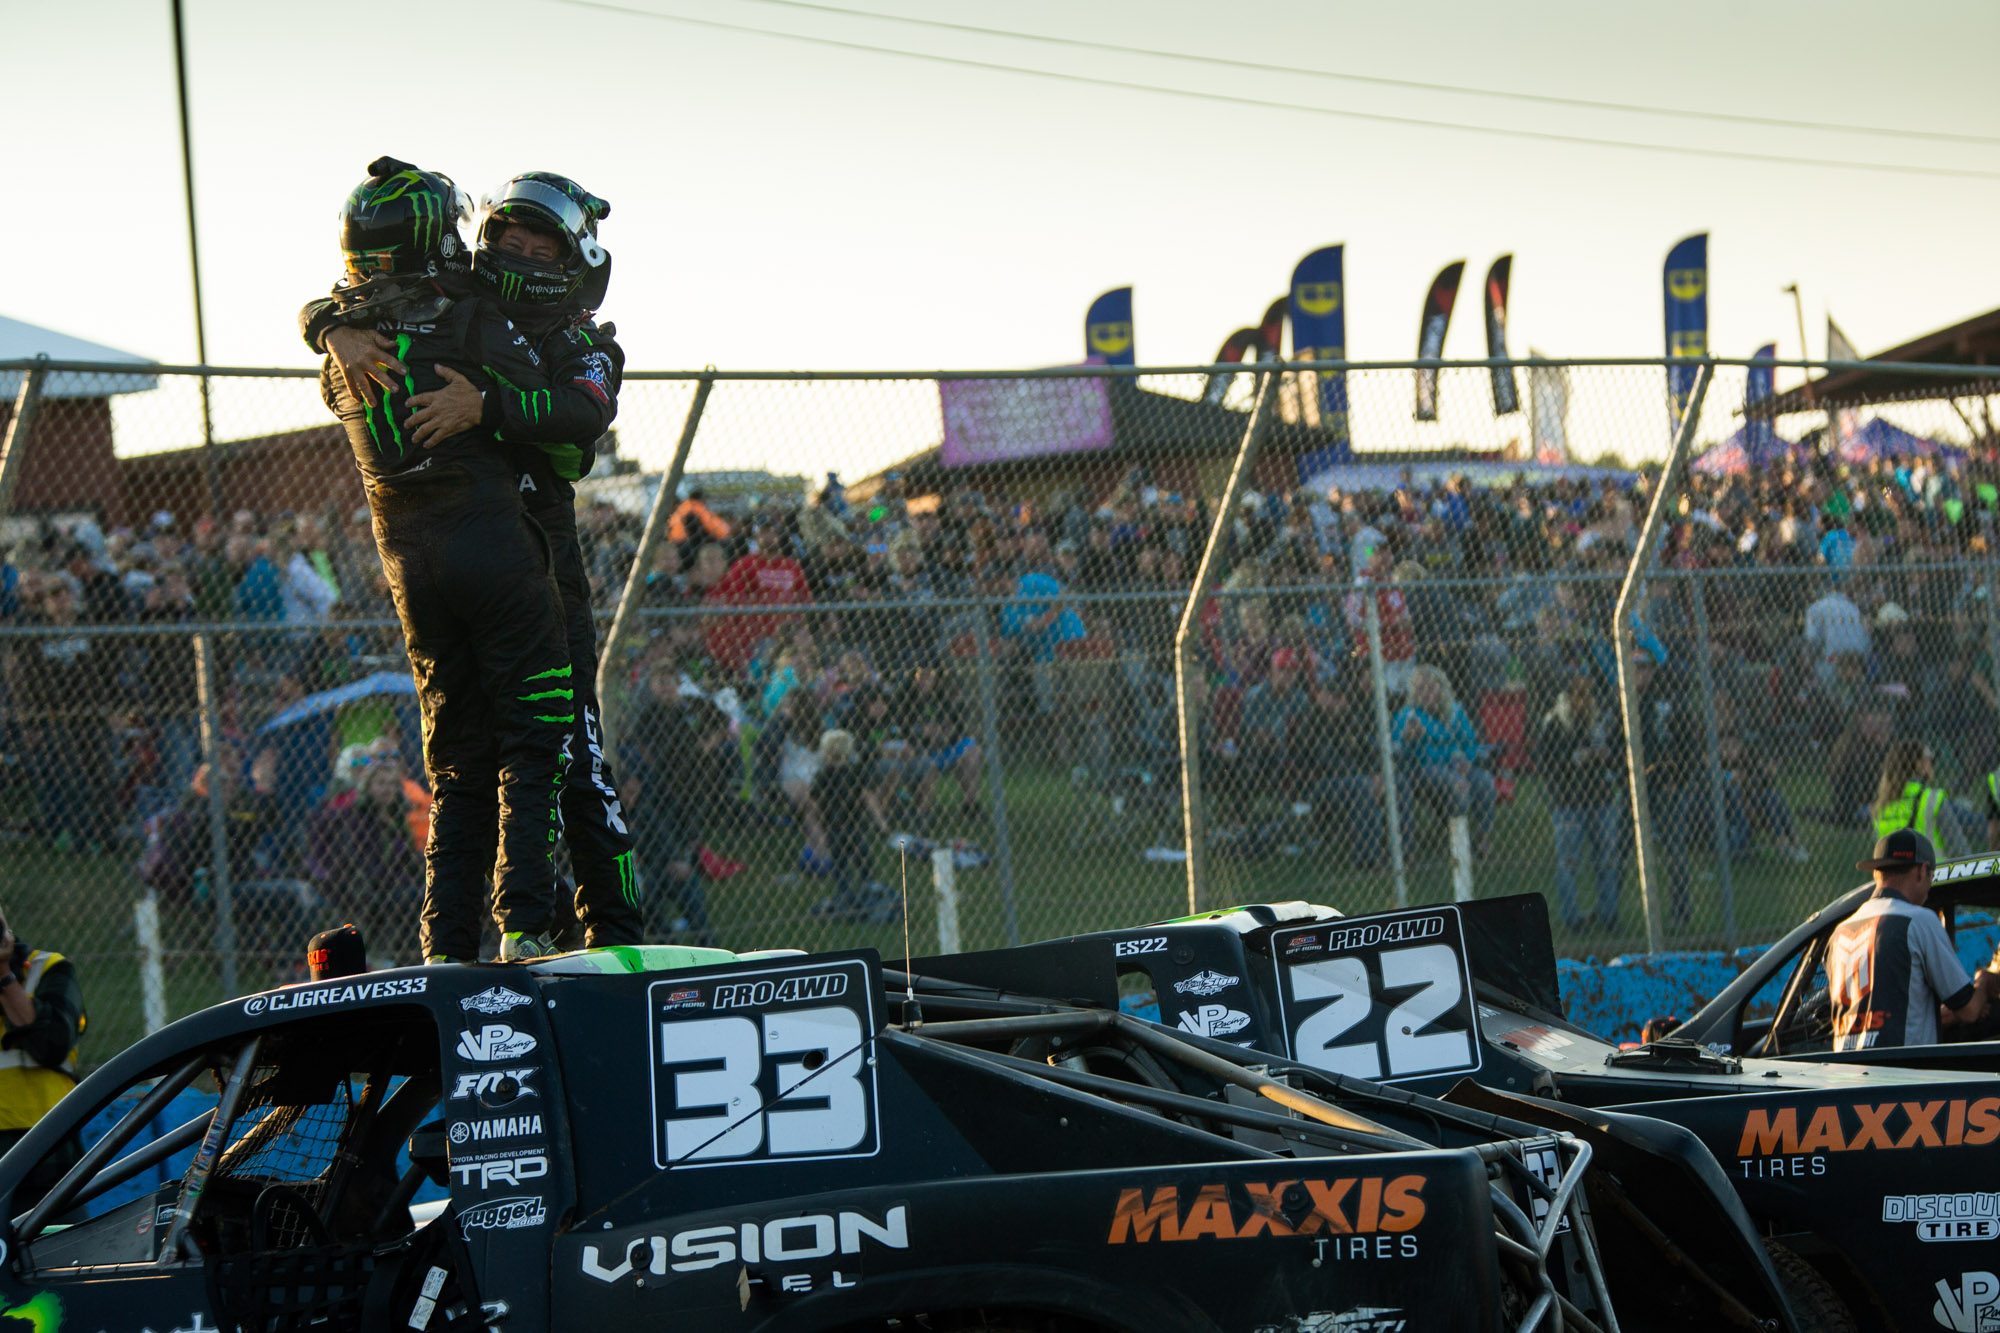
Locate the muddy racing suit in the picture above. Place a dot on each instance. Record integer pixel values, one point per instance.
(472, 582)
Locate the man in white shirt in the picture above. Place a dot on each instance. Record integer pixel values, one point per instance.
(1834, 626)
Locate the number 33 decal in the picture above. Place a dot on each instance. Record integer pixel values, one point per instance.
(1338, 1037)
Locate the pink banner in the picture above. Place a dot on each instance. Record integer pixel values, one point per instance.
(997, 421)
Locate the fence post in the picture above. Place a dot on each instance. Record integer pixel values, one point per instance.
(1717, 799)
(221, 891)
(1184, 636)
(1622, 641)
(1993, 616)
(20, 428)
(944, 878)
(627, 612)
(996, 777)
(152, 964)
(1392, 806)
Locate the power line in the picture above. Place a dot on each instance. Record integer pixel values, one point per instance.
(1382, 81)
(1545, 136)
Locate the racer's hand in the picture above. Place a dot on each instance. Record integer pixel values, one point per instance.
(364, 359)
(443, 413)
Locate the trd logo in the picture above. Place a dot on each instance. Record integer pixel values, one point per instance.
(479, 1085)
(501, 1171)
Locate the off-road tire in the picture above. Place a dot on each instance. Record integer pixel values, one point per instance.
(1815, 1304)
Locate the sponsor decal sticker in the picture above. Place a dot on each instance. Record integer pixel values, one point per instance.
(1206, 983)
(1946, 1217)
(1972, 1307)
(513, 1214)
(319, 997)
(494, 1001)
(1352, 1217)
(1361, 1319)
(1214, 1020)
(1798, 1140)
(495, 1081)
(505, 1127)
(486, 1172)
(786, 990)
(795, 1239)
(495, 1041)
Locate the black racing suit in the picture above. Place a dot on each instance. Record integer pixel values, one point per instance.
(473, 587)
(583, 356)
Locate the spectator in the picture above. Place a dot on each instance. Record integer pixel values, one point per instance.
(854, 817)
(1579, 752)
(765, 576)
(1345, 771)
(1834, 626)
(363, 852)
(1269, 732)
(1399, 646)
(61, 683)
(1749, 759)
(1433, 734)
(270, 907)
(677, 788)
(1905, 797)
(1040, 623)
(260, 594)
(693, 522)
(933, 717)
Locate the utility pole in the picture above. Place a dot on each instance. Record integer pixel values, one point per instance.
(1799, 308)
(210, 470)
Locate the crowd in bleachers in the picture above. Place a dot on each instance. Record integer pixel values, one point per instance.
(1845, 608)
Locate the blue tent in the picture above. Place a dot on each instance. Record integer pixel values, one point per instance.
(1879, 439)
(303, 732)
(1739, 453)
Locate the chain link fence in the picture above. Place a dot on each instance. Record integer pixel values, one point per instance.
(905, 632)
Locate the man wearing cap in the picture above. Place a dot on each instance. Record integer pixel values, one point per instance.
(1891, 970)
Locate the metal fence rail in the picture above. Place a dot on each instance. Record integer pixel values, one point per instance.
(1402, 685)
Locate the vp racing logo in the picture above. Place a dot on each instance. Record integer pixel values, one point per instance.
(495, 1041)
(1973, 1308)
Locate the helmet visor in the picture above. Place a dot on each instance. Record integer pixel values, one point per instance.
(569, 214)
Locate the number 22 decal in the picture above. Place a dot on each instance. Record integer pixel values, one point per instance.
(1341, 1019)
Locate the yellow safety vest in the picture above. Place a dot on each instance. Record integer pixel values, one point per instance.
(1917, 808)
(28, 1090)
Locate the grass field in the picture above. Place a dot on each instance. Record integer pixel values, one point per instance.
(1076, 868)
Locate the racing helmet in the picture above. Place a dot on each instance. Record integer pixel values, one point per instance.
(559, 206)
(398, 228)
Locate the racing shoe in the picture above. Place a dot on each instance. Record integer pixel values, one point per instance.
(518, 945)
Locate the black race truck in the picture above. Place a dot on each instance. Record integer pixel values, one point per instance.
(662, 1139)
(1966, 896)
(1873, 1184)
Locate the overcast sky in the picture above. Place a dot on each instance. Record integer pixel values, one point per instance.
(785, 204)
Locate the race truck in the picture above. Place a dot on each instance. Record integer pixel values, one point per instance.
(659, 1139)
(1965, 894)
(1864, 1179)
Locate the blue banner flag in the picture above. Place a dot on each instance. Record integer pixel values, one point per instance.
(1760, 431)
(1685, 283)
(1506, 397)
(1319, 330)
(1107, 328)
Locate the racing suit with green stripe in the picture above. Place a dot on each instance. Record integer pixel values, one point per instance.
(580, 356)
(471, 576)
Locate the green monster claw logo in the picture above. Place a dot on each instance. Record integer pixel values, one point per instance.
(628, 883)
(42, 1313)
(558, 673)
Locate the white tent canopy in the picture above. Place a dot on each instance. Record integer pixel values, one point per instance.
(23, 342)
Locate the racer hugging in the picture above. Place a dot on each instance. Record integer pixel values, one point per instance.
(473, 386)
